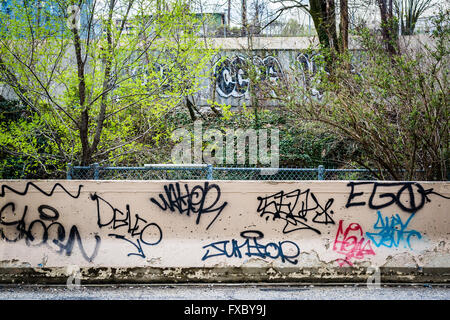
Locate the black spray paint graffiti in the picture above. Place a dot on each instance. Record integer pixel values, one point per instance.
(269, 68)
(310, 65)
(282, 205)
(252, 248)
(48, 194)
(307, 63)
(193, 201)
(232, 77)
(408, 196)
(140, 232)
(43, 231)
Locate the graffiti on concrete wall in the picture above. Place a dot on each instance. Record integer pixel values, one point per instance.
(155, 71)
(232, 74)
(232, 77)
(45, 229)
(193, 201)
(50, 193)
(351, 243)
(392, 232)
(408, 196)
(235, 222)
(136, 230)
(295, 208)
(251, 246)
(309, 65)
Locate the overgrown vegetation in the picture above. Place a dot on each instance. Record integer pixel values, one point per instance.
(95, 89)
(115, 94)
(394, 108)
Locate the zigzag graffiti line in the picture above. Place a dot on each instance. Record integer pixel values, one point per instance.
(48, 194)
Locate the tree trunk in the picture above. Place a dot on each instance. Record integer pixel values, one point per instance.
(388, 26)
(106, 87)
(190, 107)
(343, 26)
(84, 116)
(323, 13)
(229, 15)
(244, 18)
(256, 22)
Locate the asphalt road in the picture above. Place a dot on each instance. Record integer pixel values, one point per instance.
(225, 292)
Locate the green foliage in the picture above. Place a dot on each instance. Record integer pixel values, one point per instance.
(395, 108)
(293, 28)
(101, 93)
(303, 145)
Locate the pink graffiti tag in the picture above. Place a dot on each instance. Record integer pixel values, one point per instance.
(351, 243)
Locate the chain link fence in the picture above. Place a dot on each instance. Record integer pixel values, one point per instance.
(209, 172)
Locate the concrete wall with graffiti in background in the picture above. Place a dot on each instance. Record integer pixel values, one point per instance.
(243, 66)
(271, 61)
(233, 70)
(224, 230)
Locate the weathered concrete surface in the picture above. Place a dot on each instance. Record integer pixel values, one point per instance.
(298, 43)
(225, 231)
(277, 60)
(226, 292)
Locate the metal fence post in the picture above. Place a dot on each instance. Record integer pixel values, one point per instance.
(69, 171)
(96, 170)
(320, 172)
(209, 169)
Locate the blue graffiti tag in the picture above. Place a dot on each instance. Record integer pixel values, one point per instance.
(393, 232)
(252, 248)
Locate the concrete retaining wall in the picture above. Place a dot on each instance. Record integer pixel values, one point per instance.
(276, 59)
(175, 231)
